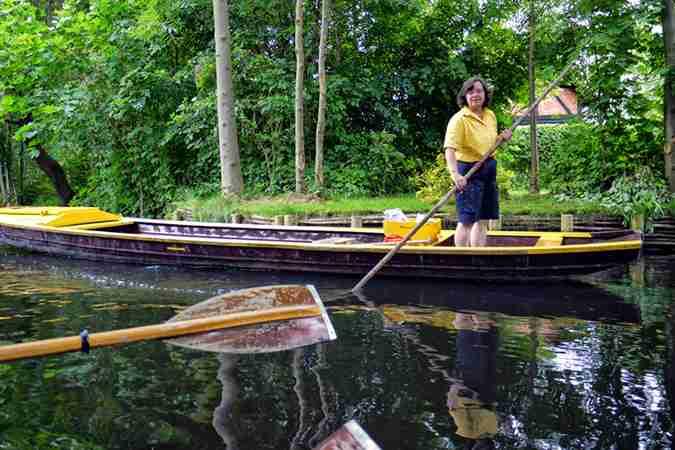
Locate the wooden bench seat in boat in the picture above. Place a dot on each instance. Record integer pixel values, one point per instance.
(551, 240)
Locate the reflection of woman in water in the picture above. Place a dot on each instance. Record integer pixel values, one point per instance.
(472, 398)
(223, 414)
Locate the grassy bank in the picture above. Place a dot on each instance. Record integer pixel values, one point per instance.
(219, 209)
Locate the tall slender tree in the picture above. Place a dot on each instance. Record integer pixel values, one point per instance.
(299, 98)
(321, 119)
(668, 93)
(231, 180)
(534, 168)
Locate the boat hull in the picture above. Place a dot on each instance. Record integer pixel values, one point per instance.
(193, 245)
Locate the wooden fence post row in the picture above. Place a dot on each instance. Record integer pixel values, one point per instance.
(568, 222)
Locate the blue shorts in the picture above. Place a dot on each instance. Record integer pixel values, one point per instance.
(480, 198)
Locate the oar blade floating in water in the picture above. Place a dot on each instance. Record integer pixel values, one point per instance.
(264, 337)
(349, 436)
(249, 316)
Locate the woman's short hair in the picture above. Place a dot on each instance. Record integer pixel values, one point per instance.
(467, 86)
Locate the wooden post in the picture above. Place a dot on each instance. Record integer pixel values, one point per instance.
(637, 272)
(357, 221)
(637, 222)
(566, 222)
(236, 218)
(290, 220)
(495, 224)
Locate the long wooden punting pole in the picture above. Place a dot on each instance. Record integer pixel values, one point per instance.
(159, 331)
(447, 196)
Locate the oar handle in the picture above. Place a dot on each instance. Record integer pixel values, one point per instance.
(158, 331)
(468, 175)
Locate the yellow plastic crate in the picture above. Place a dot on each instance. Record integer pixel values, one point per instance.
(429, 230)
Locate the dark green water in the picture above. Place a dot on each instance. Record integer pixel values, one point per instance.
(571, 365)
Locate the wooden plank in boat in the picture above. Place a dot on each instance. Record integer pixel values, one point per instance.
(550, 241)
(80, 217)
(61, 216)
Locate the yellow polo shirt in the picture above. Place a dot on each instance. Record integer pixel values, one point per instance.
(470, 135)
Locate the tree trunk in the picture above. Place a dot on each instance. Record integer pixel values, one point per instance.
(231, 180)
(5, 164)
(55, 173)
(669, 95)
(49, 166)
(321, 119)
(534, 169)
(299, 89)
(4, 190)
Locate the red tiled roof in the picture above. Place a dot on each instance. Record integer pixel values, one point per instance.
(562, 102)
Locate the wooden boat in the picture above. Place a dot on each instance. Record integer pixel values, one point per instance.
(97, 235)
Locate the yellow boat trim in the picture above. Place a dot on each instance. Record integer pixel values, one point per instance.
(96, 226)
(42, 210)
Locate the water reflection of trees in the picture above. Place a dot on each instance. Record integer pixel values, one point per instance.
(593, 394)
(562, 381)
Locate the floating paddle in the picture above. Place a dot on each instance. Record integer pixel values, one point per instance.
(348, 436)
(262, 319)
(447, 196)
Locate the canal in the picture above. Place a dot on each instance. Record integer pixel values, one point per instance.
(418, 364)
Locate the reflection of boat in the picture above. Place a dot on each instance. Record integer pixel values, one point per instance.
(576, 299)
(565, 298)
(93, 234)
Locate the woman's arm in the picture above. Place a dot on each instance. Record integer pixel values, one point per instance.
(451, 161)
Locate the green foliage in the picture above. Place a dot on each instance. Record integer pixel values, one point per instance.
(577, 158)
(212, 207)
(435, 181)
(203, 207)
(669, 208)
(122, 93)
(569, 157)
(368, 164)
(641, 192)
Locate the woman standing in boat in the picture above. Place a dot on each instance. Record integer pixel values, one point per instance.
(471, 132)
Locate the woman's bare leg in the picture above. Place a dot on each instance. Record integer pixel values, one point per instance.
(478, 234)
(462, 233)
